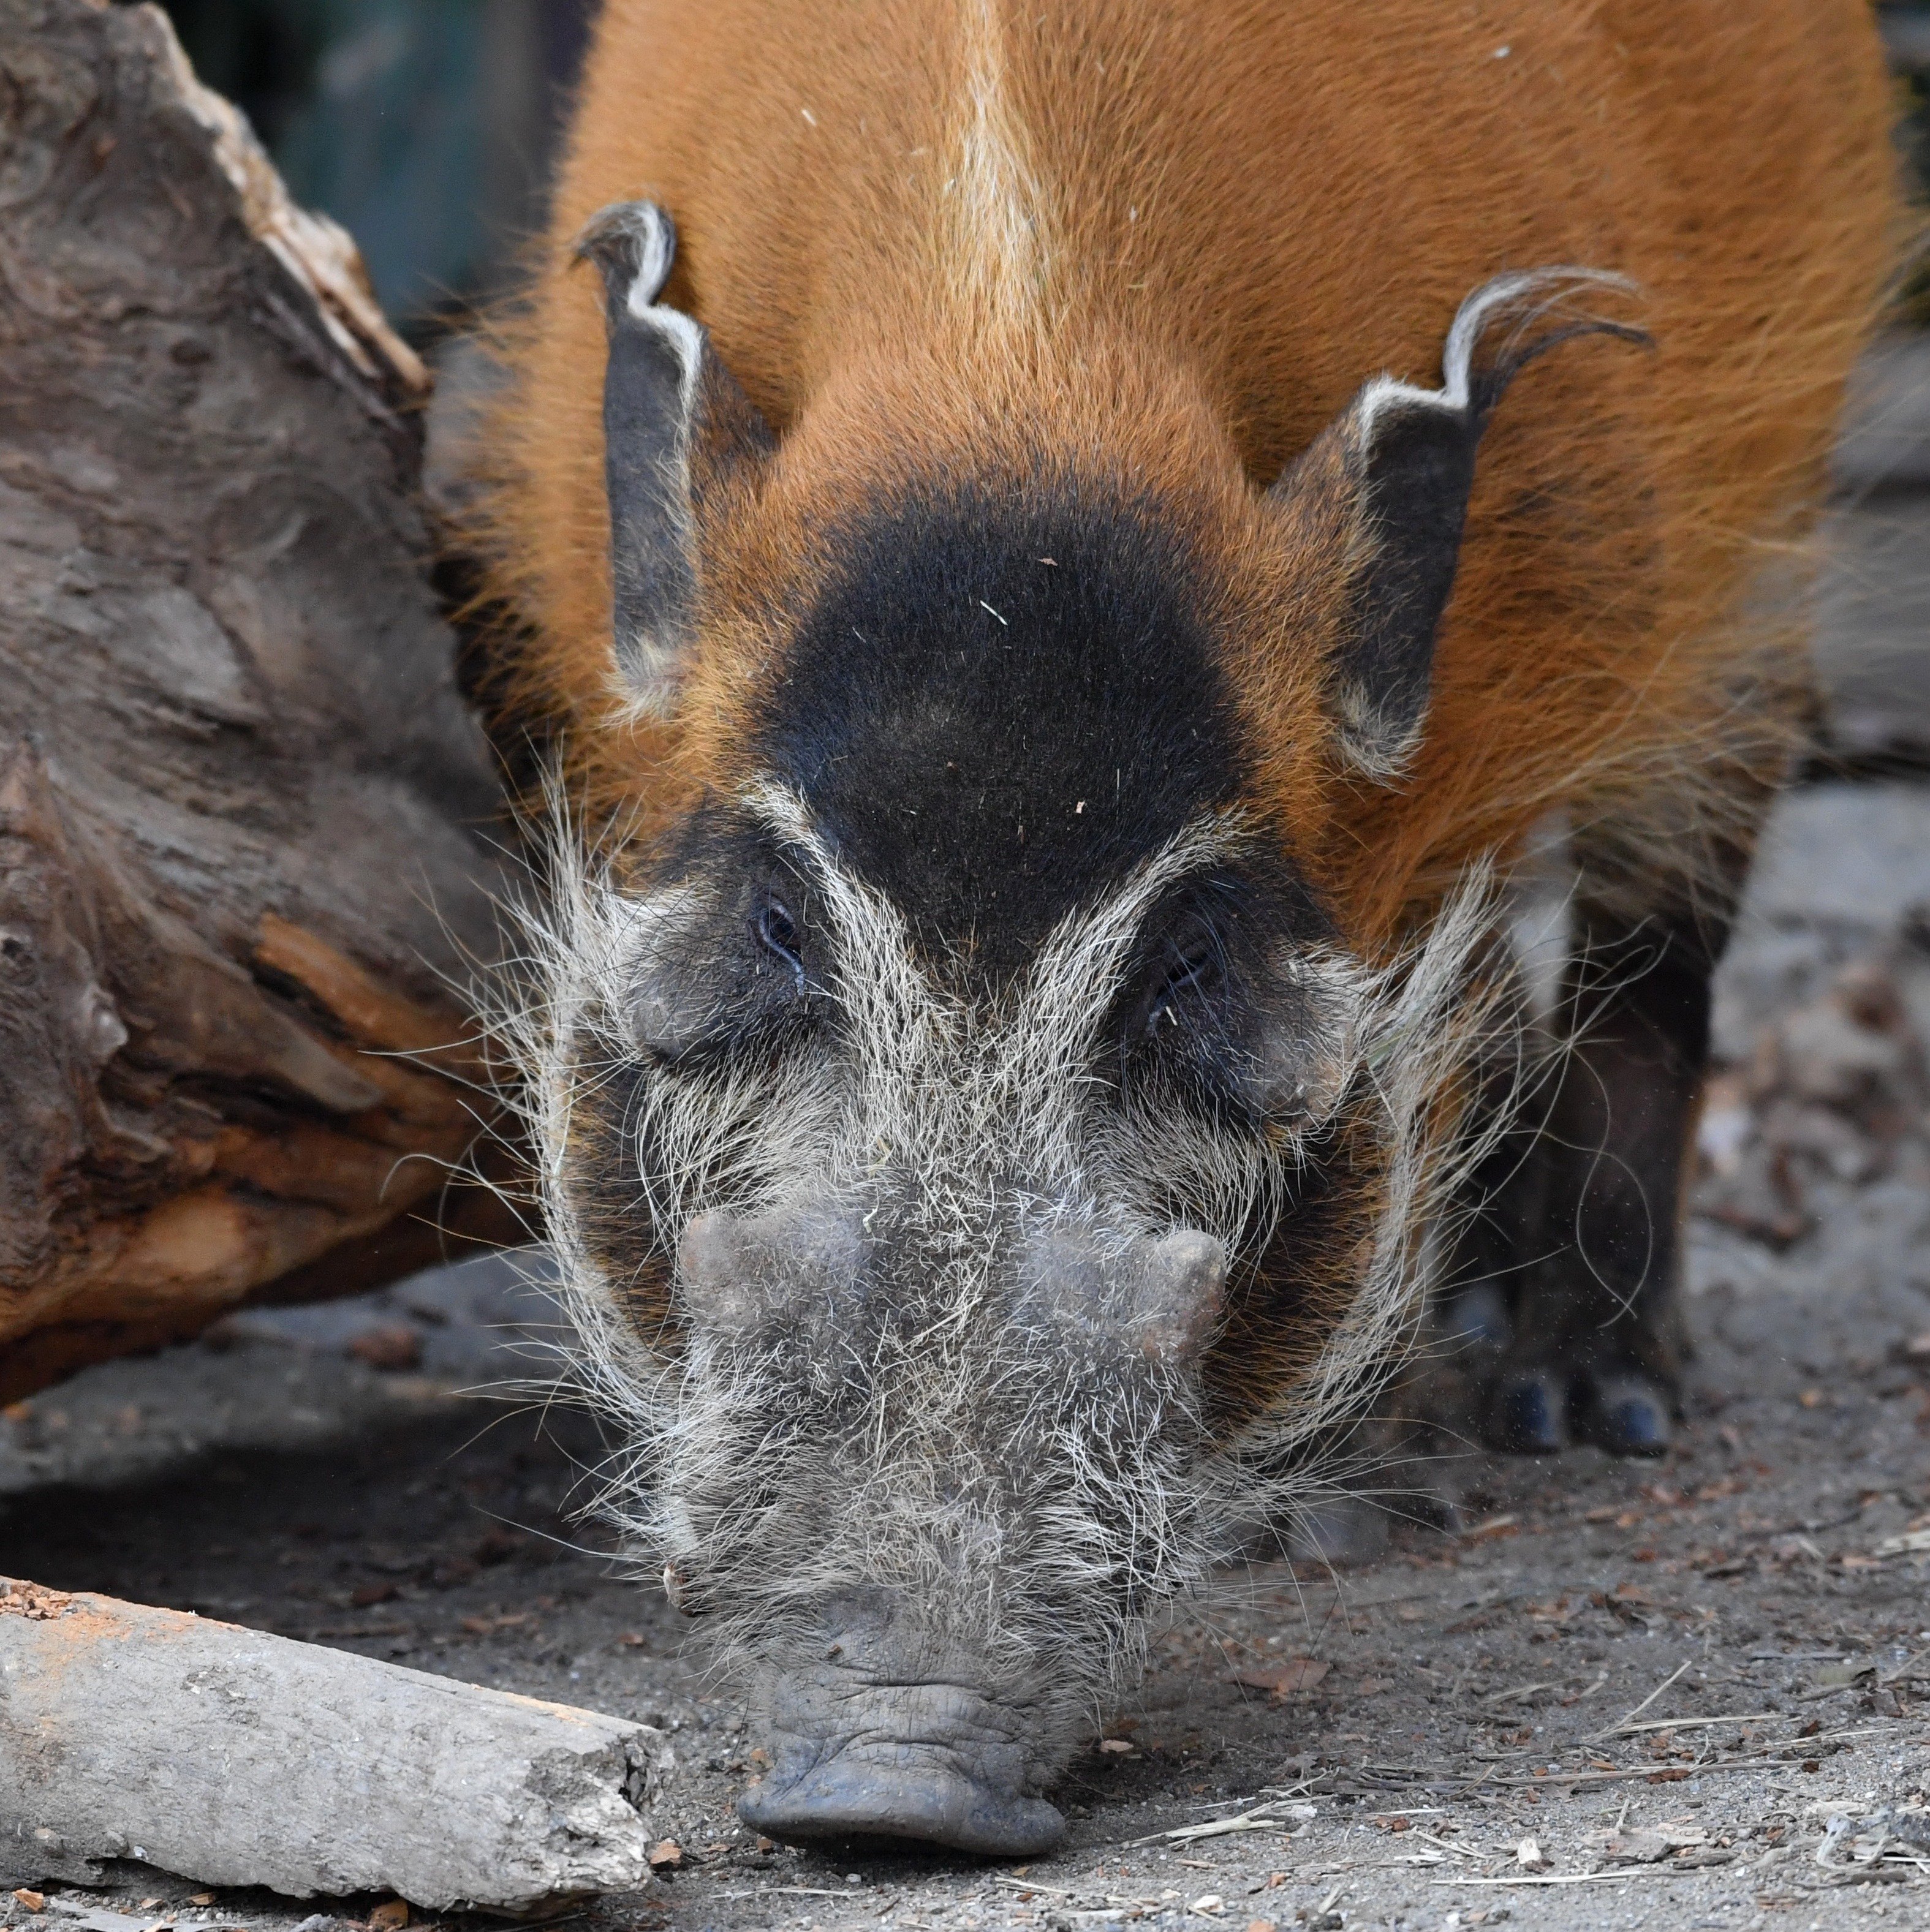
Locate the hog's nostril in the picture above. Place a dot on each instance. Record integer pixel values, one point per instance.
(886, 1795)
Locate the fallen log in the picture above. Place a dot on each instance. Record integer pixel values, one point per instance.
(234, 1758)
(243, 806)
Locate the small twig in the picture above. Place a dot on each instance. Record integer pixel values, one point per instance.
(1214, 1828)
(1652, 1770)
(1644, 1704)
(1861, 1875)
(1569, 1878)
(1460, 1851)
(1698, 1723)
(1524, 1690)
(1298, 1789)
(1274, 1792)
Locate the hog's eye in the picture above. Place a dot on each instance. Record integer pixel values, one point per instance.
(1194, 967)
(778, 934)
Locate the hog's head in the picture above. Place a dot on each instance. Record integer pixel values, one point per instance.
(981, 1165)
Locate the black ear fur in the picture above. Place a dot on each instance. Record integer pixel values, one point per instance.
(673, 418)
(1404, 457)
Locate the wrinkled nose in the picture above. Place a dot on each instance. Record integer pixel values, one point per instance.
(885, 1732)
(929, 1762)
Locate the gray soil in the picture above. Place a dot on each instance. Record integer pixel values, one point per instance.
(1694, 1692)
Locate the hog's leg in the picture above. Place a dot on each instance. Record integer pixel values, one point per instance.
(1596, 1349)
(1496, 1218)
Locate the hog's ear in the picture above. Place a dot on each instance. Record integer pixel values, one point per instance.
(675, 425)
(1387, 485)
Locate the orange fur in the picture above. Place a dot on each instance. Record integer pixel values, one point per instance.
(1165, 241)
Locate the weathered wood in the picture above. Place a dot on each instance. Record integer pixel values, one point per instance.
(232, 1757)
(241, 797)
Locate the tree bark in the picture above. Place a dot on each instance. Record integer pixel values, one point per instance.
(243, 807)
(232, 1757)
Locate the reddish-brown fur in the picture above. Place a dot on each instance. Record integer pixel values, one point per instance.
(1240, 210)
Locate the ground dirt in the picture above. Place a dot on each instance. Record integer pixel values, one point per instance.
(1689, 1693)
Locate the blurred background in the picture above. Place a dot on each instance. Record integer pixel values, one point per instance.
(426, 128)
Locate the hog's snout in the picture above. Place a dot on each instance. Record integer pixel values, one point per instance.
(919, 1766)
(873, 1742)
(935, 1470)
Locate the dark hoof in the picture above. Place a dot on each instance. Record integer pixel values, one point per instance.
(1529, 1416)
(854, 1795)
(1627, 1415)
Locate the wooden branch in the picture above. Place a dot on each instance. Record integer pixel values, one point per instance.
(232, 1757)
(241, 797)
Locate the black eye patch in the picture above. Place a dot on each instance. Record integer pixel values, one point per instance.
(735, 979)
(743, 968)
(1197, 1007)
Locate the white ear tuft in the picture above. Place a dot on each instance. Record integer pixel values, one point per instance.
(634, 245)
(1531, 298)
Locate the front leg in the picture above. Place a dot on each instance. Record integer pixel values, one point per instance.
(1595, 1354)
